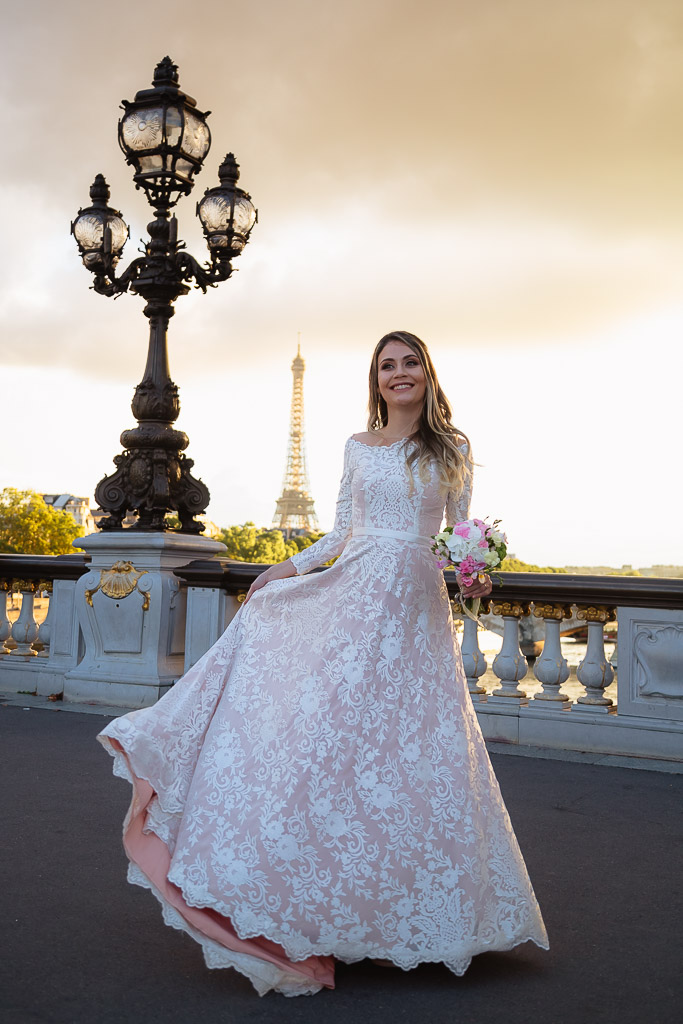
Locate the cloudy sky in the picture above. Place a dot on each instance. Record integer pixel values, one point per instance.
(502, 177)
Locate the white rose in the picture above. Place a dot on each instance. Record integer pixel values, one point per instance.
(459, 548)
(476, 534)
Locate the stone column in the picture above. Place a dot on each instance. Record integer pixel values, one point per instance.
(595, 671)
(5, 624)
(509, 664)
(552, 669)
(473, 659)
(25, 629)
(45, 628)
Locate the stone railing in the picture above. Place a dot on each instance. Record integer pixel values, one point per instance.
(105, 660)
(647, 718)
(35, 657)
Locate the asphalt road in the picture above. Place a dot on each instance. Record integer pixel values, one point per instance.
(78, 944)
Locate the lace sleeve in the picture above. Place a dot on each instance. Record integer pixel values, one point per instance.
(458, 505)
(334, 542)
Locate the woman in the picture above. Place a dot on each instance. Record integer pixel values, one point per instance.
(317, 785)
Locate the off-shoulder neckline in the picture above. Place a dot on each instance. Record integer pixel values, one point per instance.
(364, 444)
(401, 440)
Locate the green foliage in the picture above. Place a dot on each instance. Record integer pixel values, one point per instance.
(28, 526)
(517, 565)
(607, 570)
(249, 543)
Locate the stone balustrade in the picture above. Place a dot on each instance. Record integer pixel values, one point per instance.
(645, 720)
(35, 657)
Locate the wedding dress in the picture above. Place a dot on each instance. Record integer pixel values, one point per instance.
(317, 785)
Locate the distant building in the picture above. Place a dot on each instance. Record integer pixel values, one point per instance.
(78, 507)
(89, 518)
(211, 529)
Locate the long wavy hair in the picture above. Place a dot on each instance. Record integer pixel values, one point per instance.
(436, 440)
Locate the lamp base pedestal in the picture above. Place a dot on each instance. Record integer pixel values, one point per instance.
(131, 610)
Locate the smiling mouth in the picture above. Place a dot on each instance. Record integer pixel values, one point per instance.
(400, 387)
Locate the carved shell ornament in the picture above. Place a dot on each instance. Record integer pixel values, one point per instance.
(118, 582)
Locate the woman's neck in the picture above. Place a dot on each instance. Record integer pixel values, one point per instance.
(400, 424)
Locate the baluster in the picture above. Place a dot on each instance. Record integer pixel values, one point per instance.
(595, 671)
(552, 669)
(5, 624)
(473, 659)
(510, 665)
(45, 628)
(25, 629)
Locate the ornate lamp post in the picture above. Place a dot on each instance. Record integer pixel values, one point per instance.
(166, 139)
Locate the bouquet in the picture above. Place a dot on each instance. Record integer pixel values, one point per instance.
(473, 548)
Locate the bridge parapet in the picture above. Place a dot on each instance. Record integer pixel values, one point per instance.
(645, 720)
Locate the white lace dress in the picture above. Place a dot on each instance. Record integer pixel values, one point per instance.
(317, 785)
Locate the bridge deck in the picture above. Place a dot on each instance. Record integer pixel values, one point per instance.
(83, 946)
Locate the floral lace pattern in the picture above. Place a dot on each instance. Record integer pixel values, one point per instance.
(319, 776)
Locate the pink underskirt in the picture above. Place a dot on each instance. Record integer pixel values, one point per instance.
(152, 856)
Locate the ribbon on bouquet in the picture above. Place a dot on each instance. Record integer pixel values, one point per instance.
(470, 606)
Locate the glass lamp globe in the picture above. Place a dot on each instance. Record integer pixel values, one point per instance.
(227, 213)
(100, 231)
(164, 137)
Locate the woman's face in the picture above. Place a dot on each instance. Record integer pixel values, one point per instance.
(401, 377)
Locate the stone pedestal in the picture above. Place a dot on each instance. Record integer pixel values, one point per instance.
(131, 610)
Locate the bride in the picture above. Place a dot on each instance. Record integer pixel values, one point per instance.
(317, 788)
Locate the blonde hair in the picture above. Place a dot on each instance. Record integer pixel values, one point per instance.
(436, 440)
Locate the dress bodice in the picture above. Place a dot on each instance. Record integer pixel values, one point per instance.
(377, 492)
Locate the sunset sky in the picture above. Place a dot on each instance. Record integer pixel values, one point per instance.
(504, 178)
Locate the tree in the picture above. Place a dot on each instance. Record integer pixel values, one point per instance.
(517, 565)
(249, 543)
(29, 526)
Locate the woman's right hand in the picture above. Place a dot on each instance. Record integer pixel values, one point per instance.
(281, 571)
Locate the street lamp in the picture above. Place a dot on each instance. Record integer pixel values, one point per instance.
(165, 139)
(100, 232)
(227, 213)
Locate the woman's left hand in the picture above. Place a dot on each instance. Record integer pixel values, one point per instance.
(476, 589)
(279, 571)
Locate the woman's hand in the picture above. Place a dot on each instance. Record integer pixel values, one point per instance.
(281, 571)
(476, 589)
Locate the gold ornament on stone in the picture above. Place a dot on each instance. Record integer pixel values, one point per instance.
(511, 608)
(25, 586)
(595, 613)
(552, 611)
(118, 582)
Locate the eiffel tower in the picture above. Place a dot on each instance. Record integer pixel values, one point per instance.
(294, 509)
